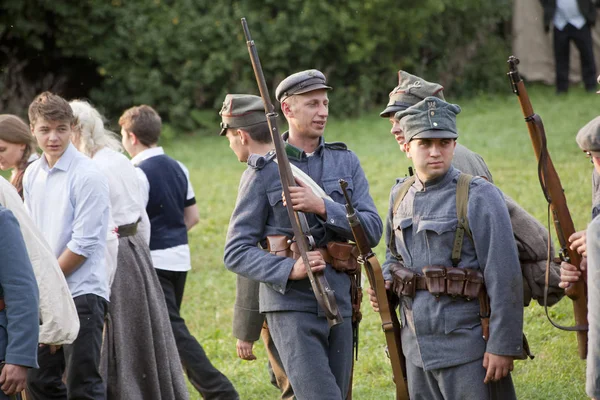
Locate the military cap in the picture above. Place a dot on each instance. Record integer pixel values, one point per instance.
(410, 90)
(301, 82)
(240, 111)
(431, 118)
(588, 137)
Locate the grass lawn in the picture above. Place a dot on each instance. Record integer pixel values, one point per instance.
(494, 128)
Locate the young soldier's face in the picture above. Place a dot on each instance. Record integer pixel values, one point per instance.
(53, 137)
(309, 113)
(397, 132)
(235, 144)
(431, 157)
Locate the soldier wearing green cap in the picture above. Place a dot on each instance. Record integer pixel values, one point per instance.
(244, 123)
(412, 89)
(442, 334)
(317, 357)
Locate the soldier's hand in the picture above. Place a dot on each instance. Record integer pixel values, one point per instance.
(578, 242)
(316, 262)
(244, 350)
(569, 274)
(305, 200)
(13, 379)
(373, 298)
(497, 367)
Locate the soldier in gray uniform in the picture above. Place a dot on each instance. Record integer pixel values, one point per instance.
(588, 140)
(244, 123)
(447, 357)
(317, 358)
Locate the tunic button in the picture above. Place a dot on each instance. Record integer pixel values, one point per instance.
(432, 113)
(331, 221)
(435, 124)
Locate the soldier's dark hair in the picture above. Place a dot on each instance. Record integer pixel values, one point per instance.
(50, 107)
(258, 132)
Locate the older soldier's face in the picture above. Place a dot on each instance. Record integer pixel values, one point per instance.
(431, 157)
(309, 113)
(397, 132)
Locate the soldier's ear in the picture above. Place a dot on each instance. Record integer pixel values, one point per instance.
(286, 109)
(406, 148)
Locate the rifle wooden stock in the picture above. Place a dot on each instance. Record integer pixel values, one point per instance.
(386, 299)
(553, 190)
(324, 294)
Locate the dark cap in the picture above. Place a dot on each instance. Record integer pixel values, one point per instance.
(241, 110)
(410, 90)
(588, 137)
(301, 82)
(431, 118)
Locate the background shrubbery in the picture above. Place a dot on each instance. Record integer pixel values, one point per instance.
(183, 56)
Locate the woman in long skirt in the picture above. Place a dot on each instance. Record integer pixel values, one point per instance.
(139, 355)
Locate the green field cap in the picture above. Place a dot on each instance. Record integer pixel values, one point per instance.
(588, 137)
(301, 82)
(240, 111)
(431, 118)
(410, 90)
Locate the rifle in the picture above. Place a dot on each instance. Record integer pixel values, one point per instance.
(323, 292)
(557, 207)
(387, 302)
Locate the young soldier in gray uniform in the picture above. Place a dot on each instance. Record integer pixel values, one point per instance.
(244, 123)
(317, 358)
(410, 90)
(588, 140)
(447, 358)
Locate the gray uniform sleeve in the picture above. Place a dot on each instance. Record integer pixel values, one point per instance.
(247, 319)
(497, 256)
(363, 205)
(593, 357)
(246, 230)
(20, 294)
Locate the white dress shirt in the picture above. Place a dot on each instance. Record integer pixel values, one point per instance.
(69, 203)
(567, 12)
(175, 258)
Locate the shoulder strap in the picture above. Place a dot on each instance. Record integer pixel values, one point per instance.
(462, 201)
(404, 187)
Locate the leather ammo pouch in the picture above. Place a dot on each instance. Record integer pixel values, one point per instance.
(435, 277)
(404, 281)
(343, 257)
(279, 245)
(455, 281)
(473, 284)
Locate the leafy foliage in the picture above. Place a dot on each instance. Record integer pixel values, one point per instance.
(185, 55)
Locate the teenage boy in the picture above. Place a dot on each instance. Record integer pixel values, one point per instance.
(68, 199)
(171, 206)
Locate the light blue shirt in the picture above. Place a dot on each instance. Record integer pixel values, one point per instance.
(567, 12)
(70, 203)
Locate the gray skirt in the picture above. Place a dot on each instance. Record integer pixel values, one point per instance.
(139, 355)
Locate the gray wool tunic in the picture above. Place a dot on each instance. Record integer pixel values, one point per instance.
(444, 333)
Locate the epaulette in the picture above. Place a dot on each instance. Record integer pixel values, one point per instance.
(257, 161)
(336, 146)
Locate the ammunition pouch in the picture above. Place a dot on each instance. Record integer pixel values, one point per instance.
(341, 256)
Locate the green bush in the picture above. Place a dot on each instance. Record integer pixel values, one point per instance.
(183, 56)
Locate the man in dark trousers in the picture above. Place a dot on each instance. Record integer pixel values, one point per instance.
(572, 21)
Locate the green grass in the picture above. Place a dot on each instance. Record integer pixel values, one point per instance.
(494, 128)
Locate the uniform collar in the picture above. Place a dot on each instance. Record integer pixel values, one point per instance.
(437, 182)
(296, 152)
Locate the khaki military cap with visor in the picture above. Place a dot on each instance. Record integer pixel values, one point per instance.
(588, 137)
(301, 82)
(431, 118)
(410, 90)
(241, 111)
